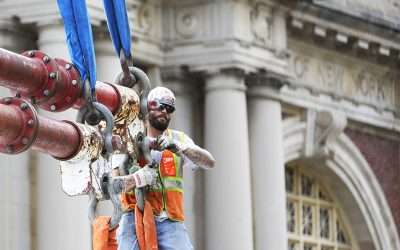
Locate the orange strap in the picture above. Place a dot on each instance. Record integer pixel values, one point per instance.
(103, 239)
(146, 232)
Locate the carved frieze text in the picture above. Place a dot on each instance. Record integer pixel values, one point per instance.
(362, 83)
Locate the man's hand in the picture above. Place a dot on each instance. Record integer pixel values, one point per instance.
(145, 176)
(164, 142)
(194, 153)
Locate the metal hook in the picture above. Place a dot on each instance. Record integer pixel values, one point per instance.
(137, 76)
(126, 79)
(92, 206)
(144, 144)
(108, 117)
(89, 113)
(144, 84)
(111, 190)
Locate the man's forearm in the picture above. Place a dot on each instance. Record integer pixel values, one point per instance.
(199, 156)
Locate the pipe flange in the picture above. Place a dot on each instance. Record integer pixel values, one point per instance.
(30, 122)
(67, 89)
(49, 88)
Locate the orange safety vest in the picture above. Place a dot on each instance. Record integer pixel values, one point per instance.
(167, 193)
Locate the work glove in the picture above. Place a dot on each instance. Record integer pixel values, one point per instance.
(118, 160)
(165, 142)
(145, 176)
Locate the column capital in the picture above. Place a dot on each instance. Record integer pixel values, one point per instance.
(11, 32)
(174, 73)
(179, 79)
(225, 79)
(6, 23)
(101, 32)
(45, 12)
(265, 85)
(102, 40)
(281, 10)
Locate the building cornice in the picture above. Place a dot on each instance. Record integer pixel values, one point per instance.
(205, 35)
(45, 12)
(386, 14)
(345, 38)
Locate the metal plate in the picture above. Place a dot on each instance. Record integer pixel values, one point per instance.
(79, 178)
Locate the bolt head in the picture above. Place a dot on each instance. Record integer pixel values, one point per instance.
(23, 106)
(53, 107)
(68, 66)
(31, 122)
(74, 82)
(46, 92)
(31, 53)
(9, 149)
(7, 100)
(25, 140)
(53, 75)
(46, 59)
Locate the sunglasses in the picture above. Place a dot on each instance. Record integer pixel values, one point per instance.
(155, 105)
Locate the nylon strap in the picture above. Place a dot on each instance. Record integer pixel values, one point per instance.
(118, 25)
(79, 38)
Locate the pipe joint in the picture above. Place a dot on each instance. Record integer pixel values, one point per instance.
(29, 124)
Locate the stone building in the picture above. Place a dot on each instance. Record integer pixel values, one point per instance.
(297, 100)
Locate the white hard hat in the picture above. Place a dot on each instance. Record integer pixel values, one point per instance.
(162, 95)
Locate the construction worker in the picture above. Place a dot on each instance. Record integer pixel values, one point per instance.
(173, 152)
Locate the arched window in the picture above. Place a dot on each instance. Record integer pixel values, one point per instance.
(314, 221)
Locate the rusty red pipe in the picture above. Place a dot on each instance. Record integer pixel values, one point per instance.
(21, 74)
(58, 138)
(106, 94)
(10, 123)
(21, 128)
(52, 84)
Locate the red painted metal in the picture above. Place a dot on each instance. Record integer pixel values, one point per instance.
(57, 138)
(106, 94)
(21, 74)
(60, 139)
(53, 84)
(10, 124)
(53, 80)
(24, 133)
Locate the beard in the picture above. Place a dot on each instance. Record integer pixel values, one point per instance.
(158, 123)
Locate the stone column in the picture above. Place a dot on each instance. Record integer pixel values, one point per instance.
(228, 217)
(15, 198)
(184, 120)
(268, 172)
(62, 221)
(107, 61)
(154, 74)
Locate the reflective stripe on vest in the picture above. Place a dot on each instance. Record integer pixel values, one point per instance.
(171, 183)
